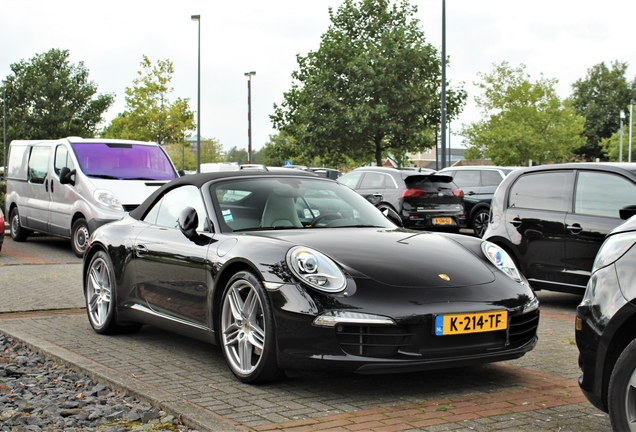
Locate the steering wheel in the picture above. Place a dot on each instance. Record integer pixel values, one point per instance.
(332, 216)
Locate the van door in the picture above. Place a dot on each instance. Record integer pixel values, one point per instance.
(35, 213)
(62, 196)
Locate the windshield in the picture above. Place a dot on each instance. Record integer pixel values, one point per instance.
(292, 203)
(124, 161)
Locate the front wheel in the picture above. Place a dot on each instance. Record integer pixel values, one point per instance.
(247, 330)
(621, 399)
(480, 222)
(79, 237)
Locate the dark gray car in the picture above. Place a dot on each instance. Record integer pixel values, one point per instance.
(423, 199)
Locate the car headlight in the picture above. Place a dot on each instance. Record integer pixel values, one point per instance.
(107, 199)
(316, 269)
(613, 248)
(501, 260)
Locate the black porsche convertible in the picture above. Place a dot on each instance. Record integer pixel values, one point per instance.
(288, 271)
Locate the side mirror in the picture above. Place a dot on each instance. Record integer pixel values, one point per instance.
(66, 176)
(188, 223)
(627, 212)
(373, 199)
(393, 216)
(181, 173)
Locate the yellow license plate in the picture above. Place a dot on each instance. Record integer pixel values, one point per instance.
(442, 221)
(471, 323)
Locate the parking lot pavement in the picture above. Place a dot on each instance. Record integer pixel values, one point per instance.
(537, 392)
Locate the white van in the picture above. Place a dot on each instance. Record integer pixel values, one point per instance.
(71, 186)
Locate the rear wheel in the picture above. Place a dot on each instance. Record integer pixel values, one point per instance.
(621, 399)
(18, 233)
(79, 237)
(100, 295)
(247, 330)
(480, 222)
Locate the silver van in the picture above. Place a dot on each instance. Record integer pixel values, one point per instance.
(71, 186)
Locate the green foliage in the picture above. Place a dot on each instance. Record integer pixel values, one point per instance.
(3, 194)
(523, 120)
(48, 97)
(600, 97)
(372, 88)
(611, 146)
(149, 114)
(237, 155)
(184, 155)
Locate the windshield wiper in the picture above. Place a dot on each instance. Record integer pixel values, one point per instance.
(104, 176)
(280, 227)
(140, 178)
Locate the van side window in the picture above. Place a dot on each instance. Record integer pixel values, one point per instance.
(62, 159)
(38, 164)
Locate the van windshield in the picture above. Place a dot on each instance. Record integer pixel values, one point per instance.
(124, 161)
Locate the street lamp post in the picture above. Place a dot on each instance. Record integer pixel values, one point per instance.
(197, 18)
(620, 148)
(4, 129)
(631, 114)
(249, 115)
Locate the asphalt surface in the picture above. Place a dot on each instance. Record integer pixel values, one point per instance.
(41, 304)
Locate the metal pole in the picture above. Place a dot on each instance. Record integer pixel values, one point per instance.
(620, 149)
(631, 114)
(443, 103)
(4, 130)
(249, 115)
(198, 19)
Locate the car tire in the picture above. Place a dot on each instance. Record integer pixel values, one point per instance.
(247, 334)
(480, 222)
(100, 296)
(18, 233)
(79, 237)
(621, 398)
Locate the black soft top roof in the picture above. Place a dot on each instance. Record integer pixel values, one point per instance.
(200, 179)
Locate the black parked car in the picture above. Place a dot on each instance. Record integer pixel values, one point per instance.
(423, 199)
(479, 184)
(606, 329)
(552, 219)
(286, 270)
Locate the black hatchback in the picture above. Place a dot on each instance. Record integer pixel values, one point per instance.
(553, 219)
(423, 199)
(606, 329)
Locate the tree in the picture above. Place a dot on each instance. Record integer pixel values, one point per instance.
(183, 156)
(372, 88)
(523, 120)
(149, 114)
(600, 97)
(236, 155)
(611, 146)
(48, 97)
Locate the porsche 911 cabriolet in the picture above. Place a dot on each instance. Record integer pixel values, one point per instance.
(288, 271)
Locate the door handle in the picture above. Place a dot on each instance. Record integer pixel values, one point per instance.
(46, 185)
(52, 186)
(575, 228)
(516, 222)
(141, 251)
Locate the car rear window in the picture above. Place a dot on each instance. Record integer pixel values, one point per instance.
(429, 182)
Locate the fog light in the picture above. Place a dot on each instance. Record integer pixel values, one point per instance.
(578, 324)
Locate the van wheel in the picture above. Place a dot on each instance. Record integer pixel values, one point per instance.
(79, 238)
(18, 233)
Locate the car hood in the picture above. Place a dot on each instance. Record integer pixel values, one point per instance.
(129, 192)
(395, 257)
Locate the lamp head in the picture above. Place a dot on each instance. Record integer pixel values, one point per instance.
(195, 17)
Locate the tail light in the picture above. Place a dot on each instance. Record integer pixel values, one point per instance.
(414, 193)
(459, 193)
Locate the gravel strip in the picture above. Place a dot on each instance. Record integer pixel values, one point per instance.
(38, 394)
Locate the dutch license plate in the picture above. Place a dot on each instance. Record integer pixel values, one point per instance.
(442, 221)
(471, 323)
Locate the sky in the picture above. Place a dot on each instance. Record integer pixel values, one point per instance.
(560, 39)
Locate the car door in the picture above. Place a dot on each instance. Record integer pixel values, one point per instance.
(62, 196)
(535, 223)
(35, 213)
(171, 270)
(597, 200)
